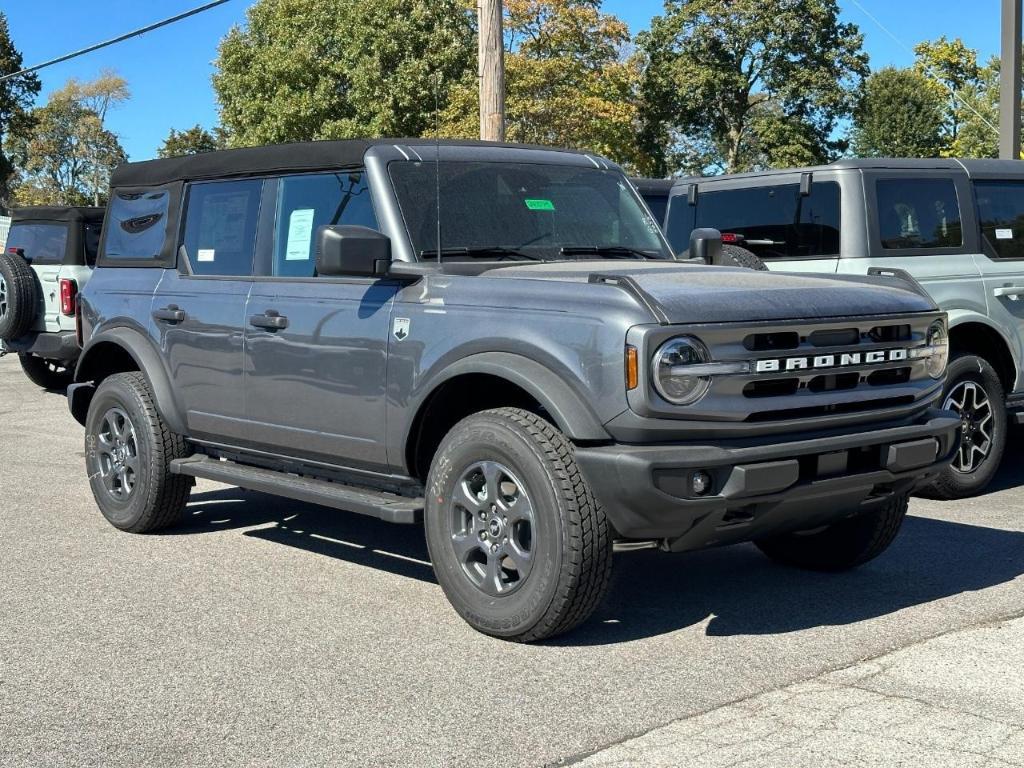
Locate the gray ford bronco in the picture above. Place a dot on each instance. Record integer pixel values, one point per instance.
(49, 256)
(956, 226)
(495, 341)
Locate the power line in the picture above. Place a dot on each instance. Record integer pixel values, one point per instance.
(927, 70)
(121, 38)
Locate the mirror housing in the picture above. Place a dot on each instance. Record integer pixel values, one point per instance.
(706, 246)
(352, 251)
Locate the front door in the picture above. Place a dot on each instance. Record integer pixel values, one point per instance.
(316, 348)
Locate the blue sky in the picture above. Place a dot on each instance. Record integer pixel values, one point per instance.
(169, 70)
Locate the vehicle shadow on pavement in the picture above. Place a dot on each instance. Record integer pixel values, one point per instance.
(654, 593)
(398, 549)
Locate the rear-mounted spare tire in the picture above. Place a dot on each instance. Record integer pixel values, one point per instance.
(18, 297)
(734, 255)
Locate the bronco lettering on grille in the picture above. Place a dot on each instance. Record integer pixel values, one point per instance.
(817, 362)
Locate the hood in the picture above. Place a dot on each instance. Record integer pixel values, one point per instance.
(695, 293)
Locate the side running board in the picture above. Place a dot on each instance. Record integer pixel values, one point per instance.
(380, 504)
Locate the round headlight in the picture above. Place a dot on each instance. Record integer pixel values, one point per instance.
(938, 340)
(669, 368)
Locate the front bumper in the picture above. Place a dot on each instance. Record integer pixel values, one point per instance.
(762, 489)
(62, 346)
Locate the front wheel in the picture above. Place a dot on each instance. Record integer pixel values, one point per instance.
(842, 545)
(975, 394)
(519, 545)
(48, 374)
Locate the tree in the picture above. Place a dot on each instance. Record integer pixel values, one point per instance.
(191, 141)
(329, 69)
(16, 97)
(569, 81)
(899, 115)
(69, 155)
(978, 115)
(748, 83)
(952, 71)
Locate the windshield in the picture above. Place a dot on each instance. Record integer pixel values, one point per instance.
(524, 210)
(41, 243)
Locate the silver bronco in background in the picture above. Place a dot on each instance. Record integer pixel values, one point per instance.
(494, 341)
(956, 226)
(49, 256)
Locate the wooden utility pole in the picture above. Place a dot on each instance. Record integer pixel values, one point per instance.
(1009, 82)
(492, 70)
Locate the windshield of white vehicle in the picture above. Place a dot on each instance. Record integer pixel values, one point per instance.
(524, 211)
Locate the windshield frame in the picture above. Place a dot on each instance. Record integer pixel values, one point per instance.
(518, 156)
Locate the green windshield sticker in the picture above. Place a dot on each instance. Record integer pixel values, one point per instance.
(540, 205)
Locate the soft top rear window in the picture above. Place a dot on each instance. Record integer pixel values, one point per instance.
(40, 243)
(137, 225)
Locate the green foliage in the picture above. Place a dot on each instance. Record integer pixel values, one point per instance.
(978, 114)
(899, 114)
(952, 71)
(742, 84)
(330, 69)
(192, 141)
(69, 154)
(16, 97)
(569, 81)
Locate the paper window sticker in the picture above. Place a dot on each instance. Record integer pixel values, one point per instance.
(536, 204)
(300, 235)
(1004, 234)
(206, 254)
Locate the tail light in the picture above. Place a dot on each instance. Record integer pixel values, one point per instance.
(68, 297)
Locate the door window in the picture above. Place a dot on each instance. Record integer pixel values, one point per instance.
(220, 227)
(305, 203)
(918, 213)
(1001, 210)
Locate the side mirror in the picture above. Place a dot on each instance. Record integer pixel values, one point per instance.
(706, 245)
(351, 251)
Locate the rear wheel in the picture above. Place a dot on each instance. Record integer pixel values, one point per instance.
(128, 452)
(975, 394)
(17, 297)
(842, 545)
(520, 547)
(48, 374)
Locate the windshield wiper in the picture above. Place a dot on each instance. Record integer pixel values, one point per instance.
(605, 251)
(480, 252)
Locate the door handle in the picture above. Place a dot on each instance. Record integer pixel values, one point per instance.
(170, 314)
(1011, 292)
(270, 320)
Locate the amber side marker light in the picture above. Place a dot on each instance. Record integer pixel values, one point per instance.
(632, 368)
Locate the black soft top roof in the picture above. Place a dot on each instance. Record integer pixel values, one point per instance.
(652, 186)
(277, 158)
(73, 214)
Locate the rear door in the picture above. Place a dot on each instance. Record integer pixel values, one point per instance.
(1000, 205)
(923, 222)
(791, 226)
(44, 245)
(199, 309)
(316, 348)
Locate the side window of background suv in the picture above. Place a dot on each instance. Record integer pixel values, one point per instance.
(918, 213)
(1001, 211)
(220, 226)
(307, 202)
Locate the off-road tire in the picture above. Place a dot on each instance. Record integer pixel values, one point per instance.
(840, 546)
(954, 484)
(741, 257)
(159, 498)
(573, 542)
(48, 374)
(20, 297)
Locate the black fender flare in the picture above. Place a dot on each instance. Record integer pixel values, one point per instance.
(568, 409)
(146, 358)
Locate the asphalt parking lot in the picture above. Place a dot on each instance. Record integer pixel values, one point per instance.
(270, 633)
